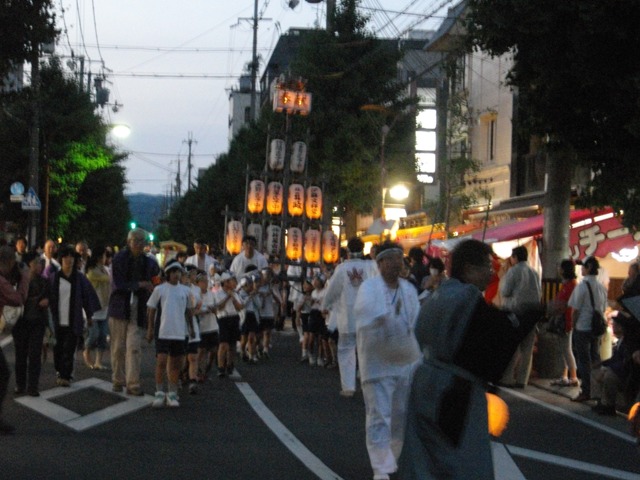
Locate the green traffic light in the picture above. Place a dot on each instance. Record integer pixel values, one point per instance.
(132, 225)
(151, 237)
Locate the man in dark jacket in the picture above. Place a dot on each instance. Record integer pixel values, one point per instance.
(131, 284)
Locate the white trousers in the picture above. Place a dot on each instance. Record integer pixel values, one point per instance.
(126, 352)
(385, 402)
(347, 360)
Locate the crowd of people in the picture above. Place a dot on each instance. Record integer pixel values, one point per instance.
(429, 342)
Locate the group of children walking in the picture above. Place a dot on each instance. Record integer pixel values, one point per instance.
(197, 321)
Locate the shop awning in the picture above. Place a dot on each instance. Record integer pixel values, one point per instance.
(529, 227)
(599, 234)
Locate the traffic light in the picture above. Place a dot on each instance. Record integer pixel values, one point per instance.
(151, 237)
(133, 225)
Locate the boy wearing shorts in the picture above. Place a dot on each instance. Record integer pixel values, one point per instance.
(175, 325)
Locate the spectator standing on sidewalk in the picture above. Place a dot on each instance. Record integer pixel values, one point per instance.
(28, 332)
(133, 275)
(585, 343)
(100, 278)
(14, 288)
(519, 287)
(386, 308)
(339, 299)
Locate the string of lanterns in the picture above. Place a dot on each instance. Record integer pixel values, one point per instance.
(302, 203)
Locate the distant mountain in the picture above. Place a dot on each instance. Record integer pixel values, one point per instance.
(146, 210)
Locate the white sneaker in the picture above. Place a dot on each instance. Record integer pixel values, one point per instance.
(312, 361)
(320, 362)
(159, 400)
(172, 399)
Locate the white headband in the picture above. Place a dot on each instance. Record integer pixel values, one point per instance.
(387, 252)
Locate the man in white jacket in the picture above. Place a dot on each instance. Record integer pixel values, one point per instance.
(386, 309)
(339, 299)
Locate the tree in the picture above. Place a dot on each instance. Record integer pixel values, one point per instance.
(24, 26)
(345, 72)
(579, 90)
(73, 148)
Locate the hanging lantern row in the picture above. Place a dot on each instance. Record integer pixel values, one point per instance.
(295, 200)
(234, 237)
(312, 246)
(297, 160)
(291, 101)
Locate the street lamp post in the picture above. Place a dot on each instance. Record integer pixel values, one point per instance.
(383, 169)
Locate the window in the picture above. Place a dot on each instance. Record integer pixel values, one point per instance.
(491, 140)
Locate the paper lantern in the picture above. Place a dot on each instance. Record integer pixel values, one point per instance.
(274, 198)
(312, 246)
(234, 237)
(255, 200)
(273, 240)
(330, 247)
(298, 157)
(634, 419)
(313, 204)
(255, 230)
(276, 154)
(294, 243)
(497, 414)
(295, 201)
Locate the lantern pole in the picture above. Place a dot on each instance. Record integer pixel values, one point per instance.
(226, 221)
(246, 197)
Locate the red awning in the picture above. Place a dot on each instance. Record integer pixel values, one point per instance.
(529, 227)
(600, 234)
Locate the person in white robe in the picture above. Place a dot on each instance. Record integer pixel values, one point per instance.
(385, 309)
(339, 299)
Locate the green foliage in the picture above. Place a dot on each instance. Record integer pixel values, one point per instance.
(575, 68)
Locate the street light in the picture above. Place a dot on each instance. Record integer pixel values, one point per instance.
(120, 130)
(399, 192)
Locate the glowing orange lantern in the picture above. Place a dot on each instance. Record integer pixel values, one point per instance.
(294, 243)
(255, 200)
(497, 414)
(273, 239)
(634, 419)
(298, 156)
(255, 230)
(295, 201)
(330, 247)
(314, 203)
(312, 246)
(276, 154)
(274, 198)
(234, 237)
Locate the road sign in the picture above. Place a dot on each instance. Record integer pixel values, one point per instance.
(17, 192)
(31, 201)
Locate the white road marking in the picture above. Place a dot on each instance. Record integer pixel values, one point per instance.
(504, 467)
(307, 458)
(75, 421)
(573, 464)
(578, 418)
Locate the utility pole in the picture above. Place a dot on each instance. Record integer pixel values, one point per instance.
(189, 142)
(178, 182)
(254, 62)
(34, 142)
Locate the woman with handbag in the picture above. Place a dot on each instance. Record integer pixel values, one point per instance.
(559, 307)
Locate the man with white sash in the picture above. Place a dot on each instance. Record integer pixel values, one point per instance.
(386, 309)
(339, 299)
(466, 343)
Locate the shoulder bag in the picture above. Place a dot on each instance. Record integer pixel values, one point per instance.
(598, 322)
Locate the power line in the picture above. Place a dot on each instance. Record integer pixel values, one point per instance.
(144, 48)
(82, 31)
(95, 31)
(185, 76)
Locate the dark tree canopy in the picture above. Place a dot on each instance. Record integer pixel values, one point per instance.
(575, 69)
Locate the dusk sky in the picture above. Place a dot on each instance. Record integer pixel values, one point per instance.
(185, 57)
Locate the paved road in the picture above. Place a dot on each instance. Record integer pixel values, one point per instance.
(276, 420)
